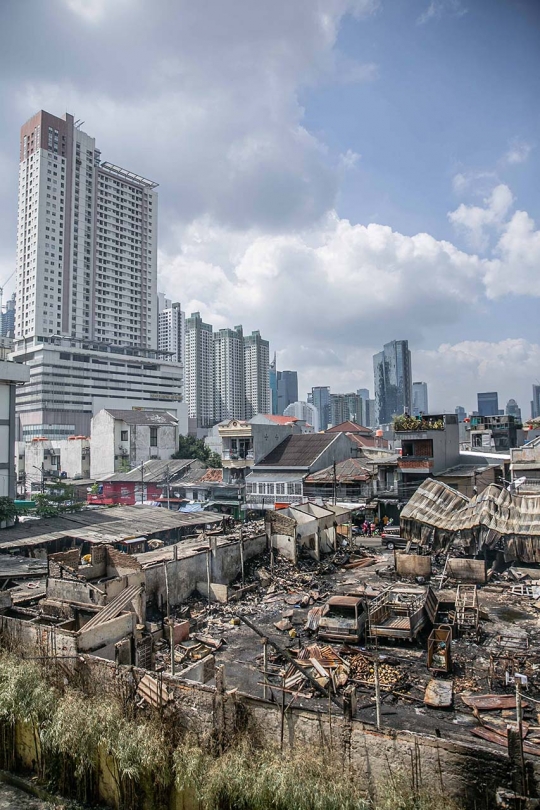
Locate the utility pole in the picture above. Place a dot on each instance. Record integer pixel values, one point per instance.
(335, 483)
(142, 483)
(168, 481)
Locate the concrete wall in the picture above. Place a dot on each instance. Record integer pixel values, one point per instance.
(184, 573)
(103, 447)
(102, 635)
(467, 772)
(266, 436)
(139, 443)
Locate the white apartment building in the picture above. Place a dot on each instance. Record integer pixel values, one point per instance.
(86, 318)
(257, 365)
(229, 376)
(171, 328)
(305, 412)
(199, 370)
(71, 380)
(87, 240)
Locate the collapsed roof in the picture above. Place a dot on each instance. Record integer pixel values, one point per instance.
(439, 514)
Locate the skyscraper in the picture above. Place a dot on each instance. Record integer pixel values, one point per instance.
(488, 403)
(535, 402)
(420, 398)
(287, 389)
(320, 396)
(345, 408)
(461, 413)
(513, 409)
(229, 376)
(199, 370)
(87, 240)
(393, 381)
(256, 364)
(7, 318)
(171, 328)
(86, 285)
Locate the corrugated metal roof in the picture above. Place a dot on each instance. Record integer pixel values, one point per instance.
(300, 450)
(155, 471)
(492, 515)
(102, 526)
(143, 417)
(348, 471)
(272, 478)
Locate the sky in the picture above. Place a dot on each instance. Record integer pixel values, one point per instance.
(334, 173)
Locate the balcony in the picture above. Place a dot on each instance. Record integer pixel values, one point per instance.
(411, 464)
(256, 501)
(413, 424)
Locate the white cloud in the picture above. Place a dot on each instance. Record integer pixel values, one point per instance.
(517, 266)
(457, 372)
(476, 221)
(349, 160)
(437, 8)
(519, 152)
(93, 11)
(480, 182)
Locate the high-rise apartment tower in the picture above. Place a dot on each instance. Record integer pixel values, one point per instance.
(257, 365)
(393, 381)
(199, 370)
(229, 377)
(171, 328)
(87, 240)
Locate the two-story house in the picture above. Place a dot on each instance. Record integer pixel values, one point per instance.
(429, 445)
(278, 479)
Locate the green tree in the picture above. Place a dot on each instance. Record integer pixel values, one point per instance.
(58, 499)
(190, 447)
(8, 510)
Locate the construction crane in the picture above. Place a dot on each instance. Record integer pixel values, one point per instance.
(2, 289)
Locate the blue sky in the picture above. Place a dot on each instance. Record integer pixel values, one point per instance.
(335, 173)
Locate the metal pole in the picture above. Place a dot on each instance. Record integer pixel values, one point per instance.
(168, 479)
(377, 691)
(208, 558)
(265, 666)
(142, 483)
(171, 635)
(242, 555)
(518, 708)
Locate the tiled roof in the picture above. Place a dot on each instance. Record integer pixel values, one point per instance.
(367, 441)
(350, 427)
(212, 475)
(143, 417)
(280, 420)
(348, 471)
(300, 450)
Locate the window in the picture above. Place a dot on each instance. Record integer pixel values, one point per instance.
(124, 436)
(280, 489)
(153, 437)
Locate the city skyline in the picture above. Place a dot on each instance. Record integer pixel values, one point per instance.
(279, 200)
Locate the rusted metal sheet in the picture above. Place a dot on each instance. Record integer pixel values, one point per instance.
(487, 702)
(502, 740)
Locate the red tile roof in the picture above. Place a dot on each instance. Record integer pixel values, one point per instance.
(350, 427)
(280, 420)
(368, 441)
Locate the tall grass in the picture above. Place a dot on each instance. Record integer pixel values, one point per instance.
(74, 735)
